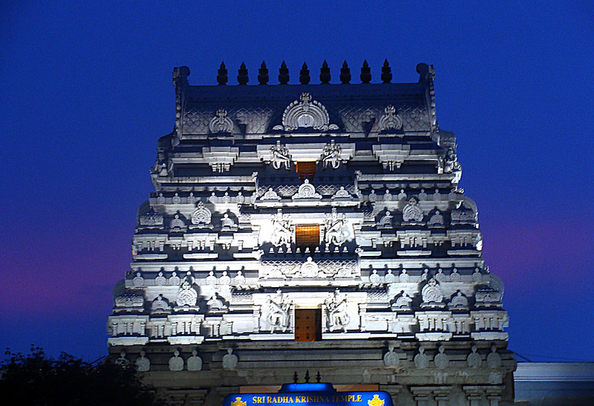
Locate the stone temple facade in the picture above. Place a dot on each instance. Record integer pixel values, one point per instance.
(311, 227)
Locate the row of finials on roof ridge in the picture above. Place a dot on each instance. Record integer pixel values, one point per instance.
(304, 76)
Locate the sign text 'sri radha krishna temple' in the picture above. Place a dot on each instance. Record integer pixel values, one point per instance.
(315, 227)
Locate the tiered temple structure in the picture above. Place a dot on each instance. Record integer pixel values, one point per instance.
(311, 227)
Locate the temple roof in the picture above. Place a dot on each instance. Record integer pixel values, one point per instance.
(259, 109)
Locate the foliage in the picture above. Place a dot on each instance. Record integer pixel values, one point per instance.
(35, 379)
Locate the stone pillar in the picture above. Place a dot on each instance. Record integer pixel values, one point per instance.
(494, 394)
(474, 394)
(393, 391)
(442, 395)
(422, 395)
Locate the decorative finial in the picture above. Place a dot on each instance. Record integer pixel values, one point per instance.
(365, 73)
(386, 72)
(283, 74)
(318, 377)
(345, 73)
(242, 75)
(222, 75)
(325, 73)
(307, 376)
(426, 72)
(263, 74)
(304, 75)
(295, 377)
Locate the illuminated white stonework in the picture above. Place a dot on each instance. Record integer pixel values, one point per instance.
(380, 241)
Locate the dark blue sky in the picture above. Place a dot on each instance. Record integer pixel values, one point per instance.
(85, 92)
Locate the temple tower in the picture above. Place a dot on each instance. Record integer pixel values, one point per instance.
(316, 227)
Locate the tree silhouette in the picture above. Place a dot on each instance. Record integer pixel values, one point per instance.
(38, 380)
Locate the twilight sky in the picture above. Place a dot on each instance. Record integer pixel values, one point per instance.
(85, 92)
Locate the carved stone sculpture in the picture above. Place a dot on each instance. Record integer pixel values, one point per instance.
(421, 359)
(331, 155)
(142, 363)
(221, 123)
(186, 296)
(390, 358)
(194, 362)
(230, 360)
(336, 229)
(176, 363)
(412, 212)
(281, 230)
(279, 308)
(337, 312)
(442, 360)
(280, 156)
(201, 215)
(305, 113)
(474, 359)
(494, 359)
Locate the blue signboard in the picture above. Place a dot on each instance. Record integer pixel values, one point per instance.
(309, 394)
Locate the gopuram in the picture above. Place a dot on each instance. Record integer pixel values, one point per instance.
(305, 228)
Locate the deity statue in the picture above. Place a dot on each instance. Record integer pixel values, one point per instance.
(336, 312)
(230, 360)
(194, 362)
(280, 156)
(331, 155)
(281, 233)
(176, 363)
(336, 229)
(216, 302)
(227, 222)
(278, 312)
(142, 363)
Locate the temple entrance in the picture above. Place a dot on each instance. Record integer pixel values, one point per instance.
(308, 324)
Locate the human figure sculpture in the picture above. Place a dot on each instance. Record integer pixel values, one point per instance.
(390, 358)
(215, 302)
(230, 360)
(386, 220)
(441, 360)
(374, 277)
(336, 231)
(160, 279)
(280, 156)
(194, 362)
(436, 220)
(403, 301)
(421, 359)
(225, 279)
(494, 359)
(239, 279)
(474, 359)
(227, 222)
(336, 310)
(177, 223)
(331, 155)
(122, 360)
(142, 363)
(281, 231)
(278, 312)
(176, 363)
